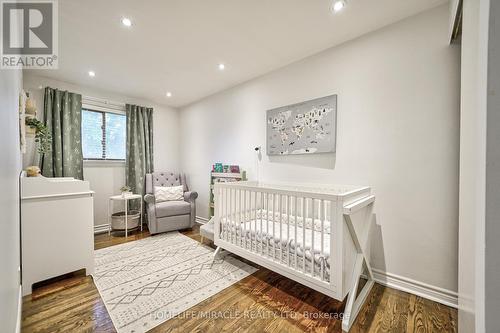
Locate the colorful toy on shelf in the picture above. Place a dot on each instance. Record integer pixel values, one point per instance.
(217, 167)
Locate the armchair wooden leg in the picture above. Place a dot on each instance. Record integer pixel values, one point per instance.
(201, 240)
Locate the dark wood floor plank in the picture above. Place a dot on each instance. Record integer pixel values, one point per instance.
(262, 302)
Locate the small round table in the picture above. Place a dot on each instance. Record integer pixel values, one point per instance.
(125, 199)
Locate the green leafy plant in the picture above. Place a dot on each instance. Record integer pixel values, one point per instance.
(42, 135)
(125, 188)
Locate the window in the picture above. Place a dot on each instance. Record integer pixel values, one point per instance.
(103, 135)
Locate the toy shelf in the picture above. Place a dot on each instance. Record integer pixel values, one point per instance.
(223, 177)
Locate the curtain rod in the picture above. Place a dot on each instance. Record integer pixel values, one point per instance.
(96, 99)
(106, 102)
(103, 101)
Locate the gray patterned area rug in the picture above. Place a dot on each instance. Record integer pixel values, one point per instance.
(147, 282)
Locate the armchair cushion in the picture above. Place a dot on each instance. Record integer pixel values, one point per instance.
(168, 193)
(172, 208)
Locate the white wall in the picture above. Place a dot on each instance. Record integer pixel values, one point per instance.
(10, 167)
(398, 131)
(105, 178)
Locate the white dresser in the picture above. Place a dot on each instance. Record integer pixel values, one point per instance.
(56, 228)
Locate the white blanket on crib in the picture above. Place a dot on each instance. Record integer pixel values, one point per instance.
(269, 215)
(252, 229)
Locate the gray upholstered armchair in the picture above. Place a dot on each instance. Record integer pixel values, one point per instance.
(169, 215)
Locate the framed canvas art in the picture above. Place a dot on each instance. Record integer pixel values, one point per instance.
(303, 128)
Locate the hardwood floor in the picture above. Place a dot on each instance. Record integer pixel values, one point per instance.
(262, 302)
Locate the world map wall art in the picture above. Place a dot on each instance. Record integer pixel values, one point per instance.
(303, 128)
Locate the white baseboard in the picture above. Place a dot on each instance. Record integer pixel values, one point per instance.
(433, 293)
(19, 309)
(101, 228)
(201, 220)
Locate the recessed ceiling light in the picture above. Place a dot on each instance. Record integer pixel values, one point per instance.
(169, 94)
(91, 73)
(222, 67)
(338, 5)
(126, 22)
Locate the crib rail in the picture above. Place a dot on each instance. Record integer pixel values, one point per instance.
(295, 229)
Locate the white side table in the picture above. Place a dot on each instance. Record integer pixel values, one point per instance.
(125, 199)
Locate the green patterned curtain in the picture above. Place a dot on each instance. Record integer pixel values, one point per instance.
(63, 117)
(139, 160)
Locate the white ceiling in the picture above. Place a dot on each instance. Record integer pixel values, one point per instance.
(175, 45)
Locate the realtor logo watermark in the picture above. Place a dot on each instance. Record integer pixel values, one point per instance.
(29, 34)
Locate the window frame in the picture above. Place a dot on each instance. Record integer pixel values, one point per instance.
(103, 111)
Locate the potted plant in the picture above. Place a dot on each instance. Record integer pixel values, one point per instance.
(126, 190)
(42, 135)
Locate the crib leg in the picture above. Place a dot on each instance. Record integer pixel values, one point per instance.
(360, 241)
(354, 303)
(217, 251)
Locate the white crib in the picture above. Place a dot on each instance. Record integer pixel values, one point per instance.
(317, 236)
